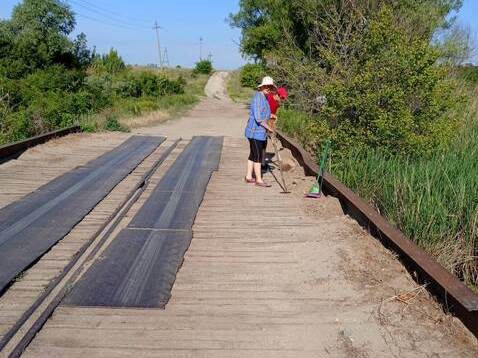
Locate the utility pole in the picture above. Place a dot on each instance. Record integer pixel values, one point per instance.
(157, 27)
(200, 48)
(166, 57)
(209, 57)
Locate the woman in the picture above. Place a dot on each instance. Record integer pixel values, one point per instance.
(275, 100)
(256, 131)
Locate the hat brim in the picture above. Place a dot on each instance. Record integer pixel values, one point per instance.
(266, 85)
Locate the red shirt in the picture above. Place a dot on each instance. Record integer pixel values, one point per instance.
(272, 103)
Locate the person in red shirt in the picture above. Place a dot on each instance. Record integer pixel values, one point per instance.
(275, 100)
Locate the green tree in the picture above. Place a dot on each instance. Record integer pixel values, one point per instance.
(203, 67)
(264, 23)
(36, 36)
(368, 72)
(110, 63)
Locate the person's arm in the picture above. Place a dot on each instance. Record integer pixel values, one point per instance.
(266, 125)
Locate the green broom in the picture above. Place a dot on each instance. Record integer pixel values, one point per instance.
(316, 190)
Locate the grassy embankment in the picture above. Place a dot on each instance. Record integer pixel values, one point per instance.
(51, 80)
(433, 200)
(131, 112)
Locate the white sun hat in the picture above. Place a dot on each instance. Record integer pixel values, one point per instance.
(267, 81)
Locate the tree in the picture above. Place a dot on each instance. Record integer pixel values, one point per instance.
(36, 37)
(263, 23)
(203, 67)
(82, 54)
(368, 72)
(110, 63)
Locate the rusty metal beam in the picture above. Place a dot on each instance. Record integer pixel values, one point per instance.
(13, 150)
(454, 295)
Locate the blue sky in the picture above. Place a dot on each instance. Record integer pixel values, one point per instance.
(127, 26)
(468, 17)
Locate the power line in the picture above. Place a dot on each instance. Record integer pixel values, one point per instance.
(107, 16)
(110, 18)
(110, 12)
(103, 22)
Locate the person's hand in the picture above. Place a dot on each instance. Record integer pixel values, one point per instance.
(273, 116)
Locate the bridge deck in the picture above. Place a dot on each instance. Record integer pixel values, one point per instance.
(265, 276)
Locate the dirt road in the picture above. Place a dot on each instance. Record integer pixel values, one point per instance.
(214, 115)
(266, 275)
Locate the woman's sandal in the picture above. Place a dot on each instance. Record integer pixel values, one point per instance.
(264, 184)
(250, 181)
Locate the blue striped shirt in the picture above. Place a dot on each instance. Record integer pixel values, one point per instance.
(258, 113)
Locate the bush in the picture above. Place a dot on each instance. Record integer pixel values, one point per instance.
(111, 63)
(145, 83)
(251, 75)
(308, 130)
(100, 88)
(392, 94)
(469, 73)
(432, 199)
(203, 67)
(113, 125)
(46, 84)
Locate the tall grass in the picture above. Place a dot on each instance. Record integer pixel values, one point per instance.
(433, 200)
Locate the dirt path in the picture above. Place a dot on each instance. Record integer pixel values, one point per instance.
(214, 115)
(266, 275)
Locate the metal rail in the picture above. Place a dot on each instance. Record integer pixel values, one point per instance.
(13, 150)
(455, 296)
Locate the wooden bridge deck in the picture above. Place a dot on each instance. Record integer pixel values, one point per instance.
(263, 277)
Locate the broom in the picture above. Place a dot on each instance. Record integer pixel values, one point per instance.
(316, 191)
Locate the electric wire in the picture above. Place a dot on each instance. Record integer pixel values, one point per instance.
(105, 22)
(112, 20)
(110, 12)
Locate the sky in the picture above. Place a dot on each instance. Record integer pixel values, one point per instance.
(128, 27)
(468, 17)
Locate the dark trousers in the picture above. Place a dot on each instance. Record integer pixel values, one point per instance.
(257, 150)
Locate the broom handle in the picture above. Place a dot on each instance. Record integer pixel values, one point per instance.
(325, 154)
(274, 144)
